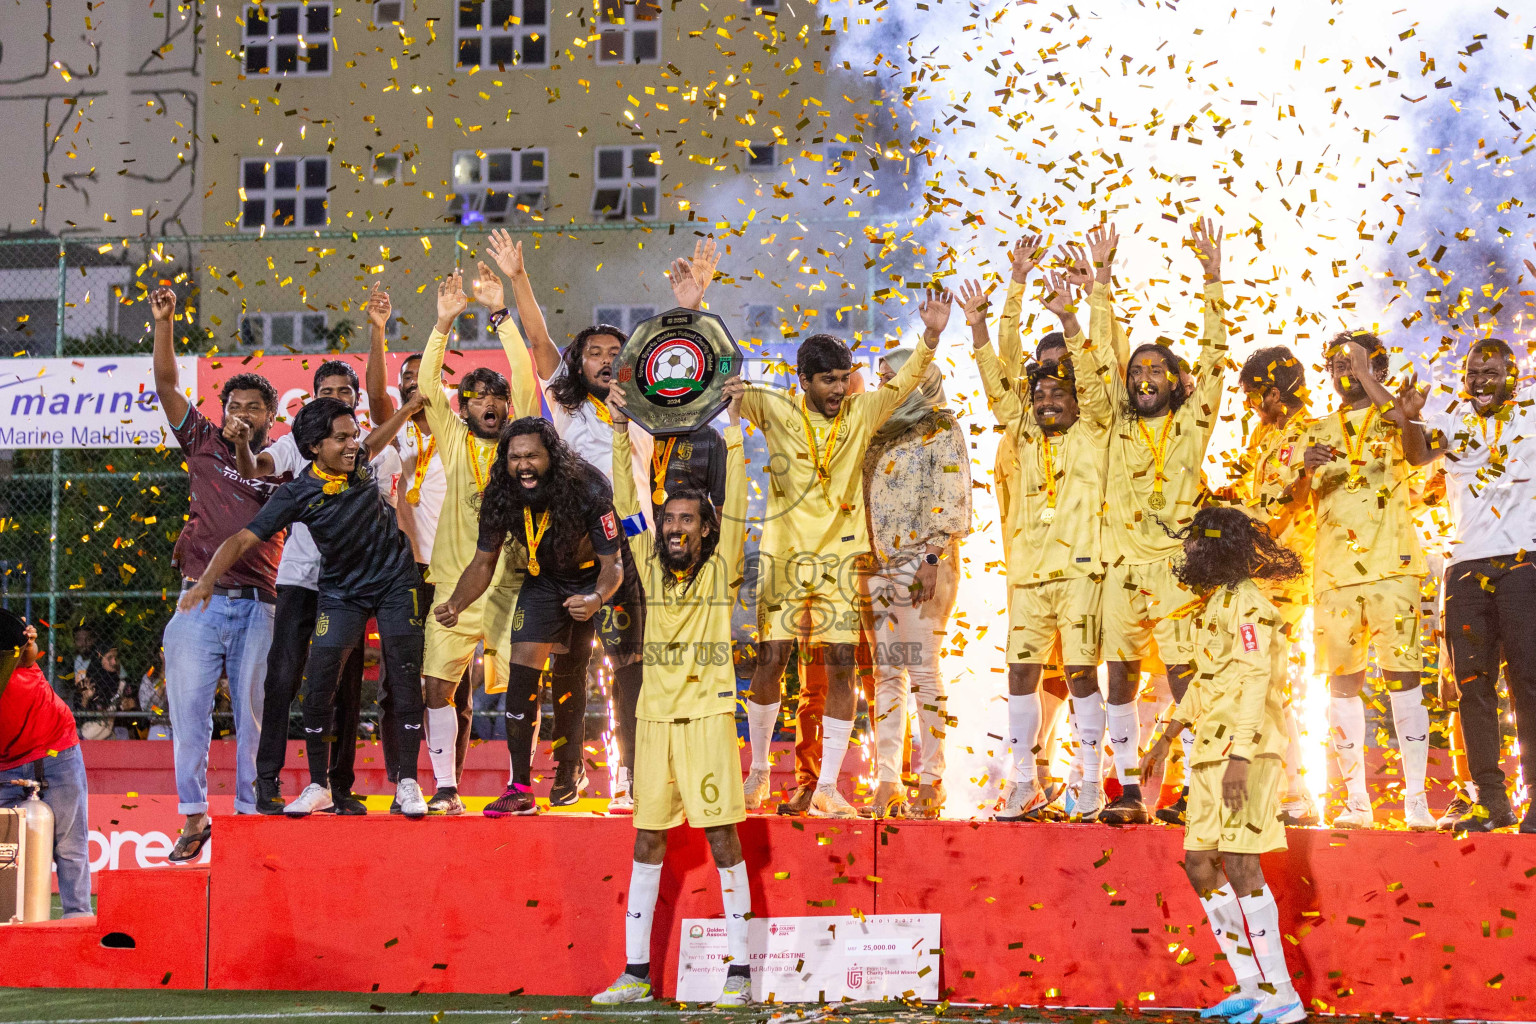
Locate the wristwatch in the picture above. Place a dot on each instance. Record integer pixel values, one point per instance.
(931, 558)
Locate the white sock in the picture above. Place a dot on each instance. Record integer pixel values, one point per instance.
(1411, 718)
(834, 744)
(737, 899)
(1187, 741)
(1023, 732)
(1050, 717)
(1346, 724)
(644, 884)
(1124, 727)
(1263, 918)
(761, 719)
(1088, 725)
(442, 739)
(1226, 919)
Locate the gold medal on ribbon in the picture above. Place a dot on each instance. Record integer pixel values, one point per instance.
(1354, 447)
(534, 536)
(1159, 448)
(424, 453)
(1048, 514)
(1048, 467)
(659, 495)
(661, 457)
(334, 483)
(1157, 502)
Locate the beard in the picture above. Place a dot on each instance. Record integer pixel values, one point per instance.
(599, 387)
(674, 562)
(536, 496)
(1349, 389)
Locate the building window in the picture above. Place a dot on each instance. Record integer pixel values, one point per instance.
(288, 39)
(388, 12)
(629, 32)
(626, 317)
(502, 32)
(283, 194)
(627, 183)
(497, 185)
(763, 155)
(299, 331)
(386, 168)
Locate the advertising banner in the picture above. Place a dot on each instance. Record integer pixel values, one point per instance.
(817, 959)
(97, 402)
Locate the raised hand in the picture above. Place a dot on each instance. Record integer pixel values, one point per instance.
(935, 314)
(162, 303)
(1077, 268)
(1205, 239)
(1103, 240)
(451, 300)
(236, 430)
(973, 301)
(1058, 294)
(1025, 256)
(691, 278)
(507, 253)
(735, 389)
(1411, 397)
(379, 306)
(618, 407)
(488, 288)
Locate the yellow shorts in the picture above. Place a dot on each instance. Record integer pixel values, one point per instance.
(1382, 614)
(816, 599)
(1137, 602)
(1254, 829)
(1055, 619)
(688, 770)
(448, 651)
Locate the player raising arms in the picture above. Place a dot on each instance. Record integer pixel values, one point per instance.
(816, 541)
(1054, 570)
(1157, 444)
(1233, 707)
(1368, 568)
(686, 756)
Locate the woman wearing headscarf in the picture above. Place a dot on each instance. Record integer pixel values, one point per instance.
(917, 491)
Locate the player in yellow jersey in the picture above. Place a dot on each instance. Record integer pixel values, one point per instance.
(466, 445)
(1052, 534)
(1157, 445)
(687, 757)
(1233, 707)
(1275, 390)
(815, 544)
(1368, 570)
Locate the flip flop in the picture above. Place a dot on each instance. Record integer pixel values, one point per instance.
(189, 846)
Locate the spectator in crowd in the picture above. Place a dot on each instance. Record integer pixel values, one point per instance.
(37, 741)
(97, 695)
(85, 647)
(152, 699)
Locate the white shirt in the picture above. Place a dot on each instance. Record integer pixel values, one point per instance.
(300, 566)
(434, 488)
(592, 439)
(1494, 512)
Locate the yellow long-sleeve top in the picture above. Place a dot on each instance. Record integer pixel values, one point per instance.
(1010, 355)
(1132, 534)
(1265, 486)
(467, 459)
(1068, 545)
(1236, 700)
(809, 512)
(688, 668)
(1366, 533)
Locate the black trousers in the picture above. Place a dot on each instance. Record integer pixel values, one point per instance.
(1490, 617)
(340, 630)
(293, 624)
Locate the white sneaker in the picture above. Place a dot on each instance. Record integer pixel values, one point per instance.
(827, 802)
(623, 799)
(738, 992)
(1416, 814)
(1357, 813)
(627, 989)
(1283, 1006)
(1090, 801)
(1022, 798)
(412, 803)
(756, 788)
(314, 798)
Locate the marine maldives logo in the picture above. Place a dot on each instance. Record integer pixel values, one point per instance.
(675, 368)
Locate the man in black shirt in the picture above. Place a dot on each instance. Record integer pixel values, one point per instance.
(558, 510)
(367, 571)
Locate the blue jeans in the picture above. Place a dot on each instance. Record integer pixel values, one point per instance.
(64, 776)
(228, 638)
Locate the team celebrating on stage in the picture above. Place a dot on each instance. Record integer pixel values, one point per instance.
(491, 529)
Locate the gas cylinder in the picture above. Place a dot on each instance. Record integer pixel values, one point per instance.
(37, 867)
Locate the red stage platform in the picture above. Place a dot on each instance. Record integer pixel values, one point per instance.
(1412, 924)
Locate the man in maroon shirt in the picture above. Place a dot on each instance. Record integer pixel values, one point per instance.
(230, 636)
(38, 743)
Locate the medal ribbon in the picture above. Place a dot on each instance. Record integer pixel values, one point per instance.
(1495, 455)
(823, 463)
(1159, 449)
(424, 452)
(1048, 464)
(1354, 447)
(534, 537)
(601, 408)
(334, 483)
(659, 468)
(479, 468)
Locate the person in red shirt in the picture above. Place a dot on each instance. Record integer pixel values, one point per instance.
(38, 743)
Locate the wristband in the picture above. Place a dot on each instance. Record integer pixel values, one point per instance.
(499, 317)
